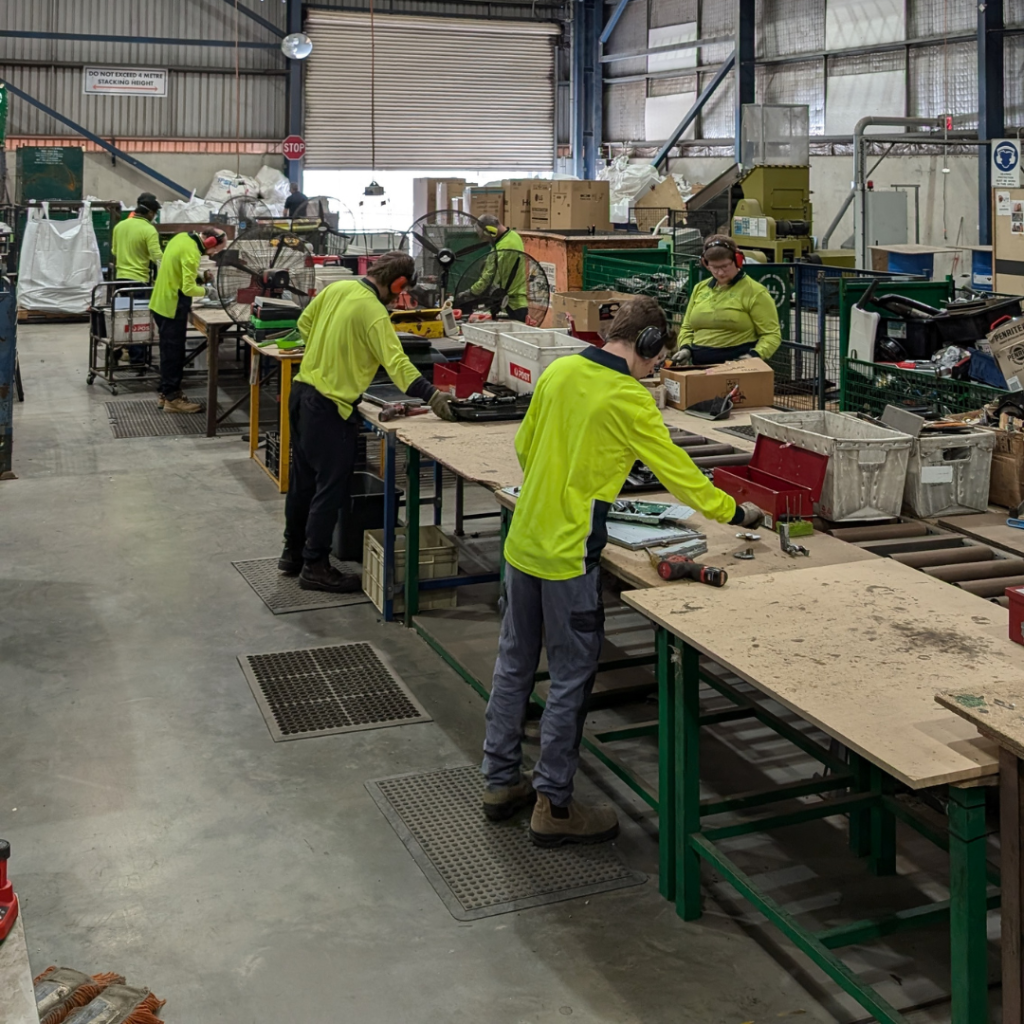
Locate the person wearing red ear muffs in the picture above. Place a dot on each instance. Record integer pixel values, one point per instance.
(177, 283)
(730, 316)
(349, 335)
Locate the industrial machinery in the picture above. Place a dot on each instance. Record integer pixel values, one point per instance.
(444, 244)
(774, 215)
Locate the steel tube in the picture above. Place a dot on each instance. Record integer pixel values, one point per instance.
(888, 532)
(976, 570)
(737, 459)
(954, 556)
(991, 588)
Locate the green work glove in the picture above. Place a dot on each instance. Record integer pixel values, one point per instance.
(438, 403)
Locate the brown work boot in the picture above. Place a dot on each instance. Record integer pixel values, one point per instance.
(160, 401)
(323, 576)
(180, 404)
(577, 823)
(501, 802)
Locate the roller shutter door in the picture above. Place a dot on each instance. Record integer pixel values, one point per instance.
(450, 93)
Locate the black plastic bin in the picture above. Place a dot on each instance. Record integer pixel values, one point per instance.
(364, 510)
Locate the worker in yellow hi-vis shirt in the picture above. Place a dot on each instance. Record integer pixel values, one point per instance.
(730, 316)
(135, 246)
(349, 336)
(589, 421)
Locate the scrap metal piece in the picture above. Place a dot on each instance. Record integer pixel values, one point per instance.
(788, 546)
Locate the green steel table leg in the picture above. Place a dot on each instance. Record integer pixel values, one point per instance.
(883, 826)
(687, 741)
(412, 535)
(968, 906)
(665, 648)
(860, 821)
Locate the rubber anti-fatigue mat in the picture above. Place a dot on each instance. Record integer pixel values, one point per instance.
(481, 868)
(282, 594)
(747, 433)
(325, 690)
(142, 417)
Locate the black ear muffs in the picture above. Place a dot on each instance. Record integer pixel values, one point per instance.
(649, 343)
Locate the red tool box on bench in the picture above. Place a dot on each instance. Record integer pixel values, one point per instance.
(467, 377)
(1016, 598)
(782, 479)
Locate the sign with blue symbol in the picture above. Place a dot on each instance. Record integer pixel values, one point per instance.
(1006, 163)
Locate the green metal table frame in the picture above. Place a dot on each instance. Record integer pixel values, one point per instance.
(864, 793)
(855, 788)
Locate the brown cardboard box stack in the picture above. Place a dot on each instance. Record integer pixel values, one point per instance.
(517, 203)
(431, 194)
(1007, 343)
(540, 205)
(689, 385)
(1006, 483)
(486, 200)
(579, 205)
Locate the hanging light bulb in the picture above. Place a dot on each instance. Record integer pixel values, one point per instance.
(297, 46)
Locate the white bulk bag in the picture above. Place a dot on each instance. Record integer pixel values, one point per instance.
(60, 262)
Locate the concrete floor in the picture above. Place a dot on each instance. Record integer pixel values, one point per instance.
(157, 830)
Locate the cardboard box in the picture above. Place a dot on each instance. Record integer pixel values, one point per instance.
(653, 205)
(689, 385)
(590, 311)
(540, 205)
(486, 201)
(517, 203)
(579, 205)
(1006, 482)
(1007, 343)
(431, 194)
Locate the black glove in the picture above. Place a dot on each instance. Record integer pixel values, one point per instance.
(466, 299)
(438, 403)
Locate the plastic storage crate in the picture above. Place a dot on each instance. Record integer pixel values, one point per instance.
(439, 558)
(867, 465)
(949, 474)
(485, 334)
(522, 358)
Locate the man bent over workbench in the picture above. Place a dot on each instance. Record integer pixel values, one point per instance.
(590, 419)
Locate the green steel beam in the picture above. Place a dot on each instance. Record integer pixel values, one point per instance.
(725, 715)
(609, 666)
(665, 645)
(630, 732)
(825, 810)
(759, 797)
(440, 649)
(858, 932)
(805, 940)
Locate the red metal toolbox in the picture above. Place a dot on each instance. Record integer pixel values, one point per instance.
(467, 377)
(1016, 596)
(782, 479)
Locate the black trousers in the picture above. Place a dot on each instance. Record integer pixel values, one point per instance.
(172, 331)
(323, 454)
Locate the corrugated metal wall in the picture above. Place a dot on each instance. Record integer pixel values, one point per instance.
(941, 77)
(511, 10)
(201, 102)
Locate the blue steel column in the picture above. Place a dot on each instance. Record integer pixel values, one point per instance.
(8, 342)
(295, 99)
(593, 75)
(578, 88)
(990, 105)
(744, 65)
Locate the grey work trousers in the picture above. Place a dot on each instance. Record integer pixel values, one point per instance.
(567, 616)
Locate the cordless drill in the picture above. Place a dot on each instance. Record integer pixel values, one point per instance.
(679, 567)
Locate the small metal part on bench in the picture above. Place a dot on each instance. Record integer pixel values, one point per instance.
(787, 545)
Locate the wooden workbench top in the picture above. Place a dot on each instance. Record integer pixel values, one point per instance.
(859, 650)
(211, 315)
(996, 710)
(272, 350)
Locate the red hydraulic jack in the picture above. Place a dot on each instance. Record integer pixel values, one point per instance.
(8, 900)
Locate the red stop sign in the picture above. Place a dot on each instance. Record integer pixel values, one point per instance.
(294, 147)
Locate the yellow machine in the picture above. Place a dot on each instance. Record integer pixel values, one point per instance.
(774, 215)
(427, 323)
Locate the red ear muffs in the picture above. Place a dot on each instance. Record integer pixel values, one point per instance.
(210, 241)
(398, 284)
(739, 258)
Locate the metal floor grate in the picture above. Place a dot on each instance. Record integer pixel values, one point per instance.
(282, 594)
(481, 868)
(142, 417)
(747, 433)
(327, 690)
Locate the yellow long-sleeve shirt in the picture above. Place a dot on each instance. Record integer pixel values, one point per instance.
(349, 336)
(179, 270)
(720, 317)
(588, 422)
(135, 244)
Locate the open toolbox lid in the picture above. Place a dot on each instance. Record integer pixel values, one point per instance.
(791, 464)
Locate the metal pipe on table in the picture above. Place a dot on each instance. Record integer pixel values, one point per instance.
(949, 556)
(889, 531)
(976, 570)
(991, 588)
(736, 459)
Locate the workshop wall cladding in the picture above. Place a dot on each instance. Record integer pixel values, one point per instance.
(448, 93)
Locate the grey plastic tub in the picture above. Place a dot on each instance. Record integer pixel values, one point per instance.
(867, 465)
(948, 475)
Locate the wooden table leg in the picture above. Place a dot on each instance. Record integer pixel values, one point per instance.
(968, 906)
(1011, 793)
(284, 458)
(213, 360)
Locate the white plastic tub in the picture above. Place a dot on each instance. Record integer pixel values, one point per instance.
(522, 358)
(867, 465)
(949, 475)
(485, 333)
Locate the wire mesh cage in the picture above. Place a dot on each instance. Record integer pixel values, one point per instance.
(870, 387)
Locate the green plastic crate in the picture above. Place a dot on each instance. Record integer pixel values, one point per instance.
(870, 387)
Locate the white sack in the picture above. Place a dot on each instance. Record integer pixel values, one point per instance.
(226, 185)
(60, 262)
(273, 185)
